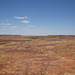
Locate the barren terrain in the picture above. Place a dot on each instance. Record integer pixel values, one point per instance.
(37, 55)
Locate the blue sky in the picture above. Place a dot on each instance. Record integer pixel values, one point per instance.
(37, 17)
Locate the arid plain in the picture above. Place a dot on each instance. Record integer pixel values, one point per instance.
(37, 55)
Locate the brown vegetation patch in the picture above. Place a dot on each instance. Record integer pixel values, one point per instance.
(45, 59)
(2, 43)
(47, 45)
(3, 64)
(23, 51)
(12, 40)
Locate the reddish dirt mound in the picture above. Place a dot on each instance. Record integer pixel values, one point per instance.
(47, 45)
(12, 40)
(2, 43)
(44, 58)
(22, 51)
(47, 58)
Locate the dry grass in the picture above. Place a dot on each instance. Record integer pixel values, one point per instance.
(37, 55)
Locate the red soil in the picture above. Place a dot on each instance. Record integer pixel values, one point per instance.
(23, 51)
(47, 45)
(2, 43)
(12, 40)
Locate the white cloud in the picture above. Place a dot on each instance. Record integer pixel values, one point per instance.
(31, 26)
(25, 21)
(5, 24)
(14, 27)
(25, 17)
(19, 17)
